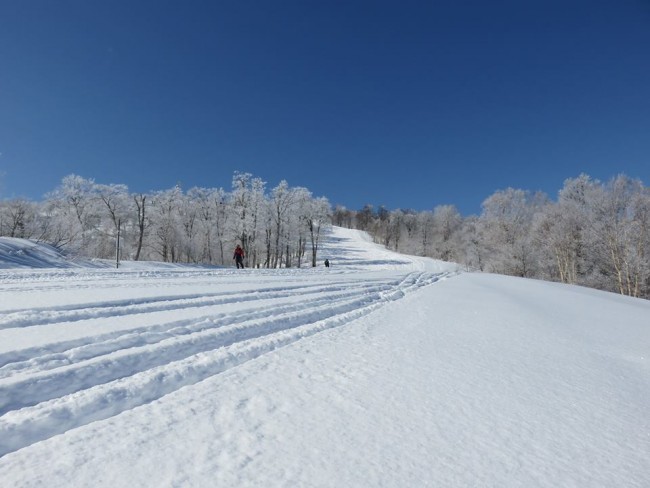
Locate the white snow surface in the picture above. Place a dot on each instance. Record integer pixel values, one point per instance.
(382, 371)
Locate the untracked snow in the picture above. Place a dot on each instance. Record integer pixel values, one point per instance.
(382, 371)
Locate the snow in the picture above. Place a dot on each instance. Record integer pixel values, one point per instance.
(383, 370)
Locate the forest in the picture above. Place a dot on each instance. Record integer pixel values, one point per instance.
(280, 228)
(594, 234)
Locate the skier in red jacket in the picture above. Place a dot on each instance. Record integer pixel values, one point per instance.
(239, 257)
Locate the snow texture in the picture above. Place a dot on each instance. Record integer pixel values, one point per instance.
(383, 370)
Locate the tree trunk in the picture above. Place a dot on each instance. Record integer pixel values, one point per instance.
(140, 203)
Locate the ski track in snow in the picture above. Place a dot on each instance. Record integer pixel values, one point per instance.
(139, 355)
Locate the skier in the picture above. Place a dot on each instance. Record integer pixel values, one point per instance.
(239, 257)
(327, 263)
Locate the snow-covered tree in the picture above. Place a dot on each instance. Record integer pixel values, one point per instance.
(141, 222)
(317, 217)
(302, 233)
(282, 201)
(342, 217)
(425, 228)
(73, 216)
(619, 233)
(561, 232)
(113, 204)
(241, 205)
(506, 222)
(446, 223)
(595, 235)
(18, 218)
(166, 223)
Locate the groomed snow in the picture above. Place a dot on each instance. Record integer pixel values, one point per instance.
(381, 371)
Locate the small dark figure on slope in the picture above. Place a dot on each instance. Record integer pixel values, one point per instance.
(239, 257)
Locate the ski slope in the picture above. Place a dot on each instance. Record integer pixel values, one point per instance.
(383, 370)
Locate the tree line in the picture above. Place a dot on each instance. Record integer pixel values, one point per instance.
(595, 234)
(277, 228)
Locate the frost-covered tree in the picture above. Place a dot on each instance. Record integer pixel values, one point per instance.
(473, 250)
(303, 203)
(425, 229)
(619, 235)
(258, 208)
(115, 200)
(505, 223)
(393, 225)
(141, 222)
(595, 235)
(166, 223)
(113, 210)
(202, 200)
(241, 202)
(446, 223)
(189, 218)
(561, 232)
(72, 215)
(342, 217)
(317, 218)
(282, 202)
(640, 240)
(18, 218)
(364, 218)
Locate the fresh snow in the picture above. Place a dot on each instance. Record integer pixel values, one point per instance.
(383, 370)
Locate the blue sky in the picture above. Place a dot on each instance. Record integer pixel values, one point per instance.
(404, 104)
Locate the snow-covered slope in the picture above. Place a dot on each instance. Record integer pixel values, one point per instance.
(23, 253)
(16, 254)
(383, 370)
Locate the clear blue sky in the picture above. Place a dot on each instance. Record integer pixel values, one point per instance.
(404, 104)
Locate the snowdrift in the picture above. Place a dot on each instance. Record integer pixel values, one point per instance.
(23, 253)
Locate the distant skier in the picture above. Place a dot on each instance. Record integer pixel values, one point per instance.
(239, 257)
(327, 263)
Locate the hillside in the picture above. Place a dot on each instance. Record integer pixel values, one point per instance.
(383, 370)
